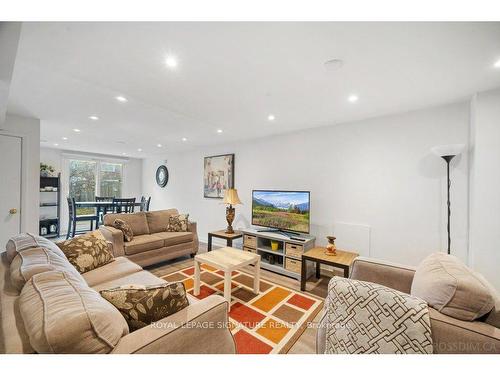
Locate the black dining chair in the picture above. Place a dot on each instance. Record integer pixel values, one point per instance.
(145, 203)
(73, 218)
(124, 205)
(101, 211)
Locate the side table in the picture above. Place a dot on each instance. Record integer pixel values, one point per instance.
(229, 237)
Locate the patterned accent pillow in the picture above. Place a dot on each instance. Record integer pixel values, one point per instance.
(178, 223)
(87, 252)
(128, 233)
(143, 305)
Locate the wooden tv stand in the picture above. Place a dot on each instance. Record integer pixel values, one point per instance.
(287, 259)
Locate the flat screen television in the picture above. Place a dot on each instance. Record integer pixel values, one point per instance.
(281, 210)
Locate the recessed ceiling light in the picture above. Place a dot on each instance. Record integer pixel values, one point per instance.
(184, 139)
(124, 153)
(353, 98)
(219, 131)
(121, 99)
(94, 118)
(159, 145)
(271, 117)
(139, 149)
(56, 144)
(76, 130)
(497, 64)
(171, 62)
(64, 138)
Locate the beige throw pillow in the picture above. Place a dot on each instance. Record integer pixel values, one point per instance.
(141, 305)
(178, 223)
(450, 287)
(128, 234)
(87, 252)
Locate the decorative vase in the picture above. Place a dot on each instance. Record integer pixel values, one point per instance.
(229, 218)
(274, 245)
(331, 249)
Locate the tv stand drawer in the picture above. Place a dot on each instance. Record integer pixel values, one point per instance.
(293, 265)
(294, 250)
(250, 249)
(250, 241)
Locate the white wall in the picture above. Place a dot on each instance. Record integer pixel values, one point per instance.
(485, 186)
(132, 174)
(29, 130)
(379, 173)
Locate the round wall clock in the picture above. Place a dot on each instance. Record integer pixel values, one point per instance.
(162, 176)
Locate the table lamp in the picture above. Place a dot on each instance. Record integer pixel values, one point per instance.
(448, 152)
(230, 198)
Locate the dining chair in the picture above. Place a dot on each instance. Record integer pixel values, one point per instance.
(145, 203)
(101, 211)
(123, 205)
(73, 218)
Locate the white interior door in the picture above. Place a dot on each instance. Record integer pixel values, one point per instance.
(10, 187)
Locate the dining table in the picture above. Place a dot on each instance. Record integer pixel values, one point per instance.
(101, 206)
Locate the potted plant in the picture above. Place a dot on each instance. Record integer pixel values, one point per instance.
(46, 170)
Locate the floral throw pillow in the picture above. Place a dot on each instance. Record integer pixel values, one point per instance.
(143, 305)
(86, 252)
(128, 234)
(178, 223)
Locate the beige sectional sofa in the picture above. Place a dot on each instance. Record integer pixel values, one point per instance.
(46, 306)
(151, 243)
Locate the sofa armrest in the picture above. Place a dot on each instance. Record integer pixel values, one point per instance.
(391, 275)
(200, 328)
(192, 227)
(115, 236)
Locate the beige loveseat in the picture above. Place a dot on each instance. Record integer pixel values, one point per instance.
(449, 335)
(151, 243)
(46, 306)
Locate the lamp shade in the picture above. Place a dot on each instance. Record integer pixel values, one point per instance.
(231, 197)
(448, 150)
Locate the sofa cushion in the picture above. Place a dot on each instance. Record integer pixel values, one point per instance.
(143, 305)
(36, 260)
(62, 314)
(175, 238)
(136, 278)
(453, 289)
(25, 241)
(120, 267)
(493, 317)
(87, 252)
(143, 243)
(128, 233)
(178, 223)
(158, 220)
(136, 220)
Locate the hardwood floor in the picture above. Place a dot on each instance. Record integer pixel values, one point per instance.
(306, 344)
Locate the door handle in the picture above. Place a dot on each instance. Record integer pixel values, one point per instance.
(13, 211)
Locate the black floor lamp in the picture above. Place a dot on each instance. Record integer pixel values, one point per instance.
(448, 152)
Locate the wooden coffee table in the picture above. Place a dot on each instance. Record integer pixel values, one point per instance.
(343, 260)
(229, 237)
(228, 260)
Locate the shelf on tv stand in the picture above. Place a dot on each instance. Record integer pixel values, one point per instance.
(288, 253)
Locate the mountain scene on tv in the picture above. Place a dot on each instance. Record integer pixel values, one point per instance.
(283, 210)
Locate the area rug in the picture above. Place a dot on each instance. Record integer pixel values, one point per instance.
(264, 323)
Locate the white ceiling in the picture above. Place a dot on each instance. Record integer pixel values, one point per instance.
(232, 75)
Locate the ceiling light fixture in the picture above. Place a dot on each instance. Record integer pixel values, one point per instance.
(219, 131)
(77, 130)
(353, 98)
(271, 117)
(497, 64)
(94, 118)
(159, 145)
(171, 62)
(56, 144)
(64, 138)
(121, 99)
(139, 149)
(124, 153)
(184, 139)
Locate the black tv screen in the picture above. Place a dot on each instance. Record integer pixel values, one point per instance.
(285, 210)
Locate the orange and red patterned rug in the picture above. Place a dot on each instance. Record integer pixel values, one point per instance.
(269, 322)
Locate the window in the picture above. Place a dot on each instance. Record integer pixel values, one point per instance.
(111, 180)
(88, 178)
